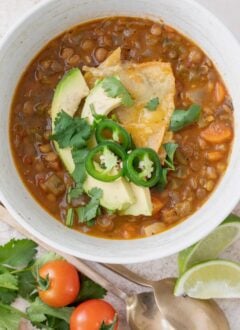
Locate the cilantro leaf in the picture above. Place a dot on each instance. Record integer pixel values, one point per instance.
(183, 118)
(163, 179)
(55, 324)
(74, 192)
(38, 312)
(86, 214)
(17, 253)
(114, 88)
(8, 286)
(8, 281)
(10, 317)
(79, 156)
(7, 296)
(170, 150)
(152, 104)
(71, 131)
(90, 290)
(27, 285)
(69, 217)
(79, 173)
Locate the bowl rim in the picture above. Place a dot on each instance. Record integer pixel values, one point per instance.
(144, 257)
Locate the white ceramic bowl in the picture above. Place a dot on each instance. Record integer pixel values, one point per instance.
(29, 36)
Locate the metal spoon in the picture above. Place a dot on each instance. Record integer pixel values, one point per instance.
(142, 310)
(178, 313)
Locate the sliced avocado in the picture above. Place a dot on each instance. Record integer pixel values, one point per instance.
(69, 92)
(117, 195)
(143, 203)
(101, 102)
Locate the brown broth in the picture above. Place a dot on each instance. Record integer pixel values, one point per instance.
(199, 163)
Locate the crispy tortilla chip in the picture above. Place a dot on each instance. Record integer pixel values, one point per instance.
(144, 82)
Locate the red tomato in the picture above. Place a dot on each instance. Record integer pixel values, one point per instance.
(64, 283)
(91, 314)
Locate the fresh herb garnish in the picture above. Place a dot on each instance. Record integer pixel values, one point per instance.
(74, 192)
(162, 179)
(17, 253)
(183, 118)
(170, 150)
(7, 280)
(152, 104)
(79, 173)
(79, 155)
(7, 296)
(86, 214)
(90, 290)
(10, 317)
(69, 217)
(114, 88)
(27, 285)
(38, 312)
(71, 131)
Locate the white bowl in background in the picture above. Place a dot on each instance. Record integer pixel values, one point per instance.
(28, 37)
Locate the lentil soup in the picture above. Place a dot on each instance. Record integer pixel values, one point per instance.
(202, 147)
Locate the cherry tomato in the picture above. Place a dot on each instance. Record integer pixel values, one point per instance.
(64, 284)
(91, 314)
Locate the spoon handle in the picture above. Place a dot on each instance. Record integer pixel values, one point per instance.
(128, 274)
(81, 266)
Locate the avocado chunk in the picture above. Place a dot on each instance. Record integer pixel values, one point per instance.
(100, 102)
(117, 195)
(71, 89)
(69, 92)
(143, 203)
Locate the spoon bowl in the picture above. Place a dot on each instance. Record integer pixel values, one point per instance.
(177, 313)
(143, 312)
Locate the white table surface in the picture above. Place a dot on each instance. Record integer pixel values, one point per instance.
(228, 12)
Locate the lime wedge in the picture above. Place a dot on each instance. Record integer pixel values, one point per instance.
(210, 279)
(212, 245)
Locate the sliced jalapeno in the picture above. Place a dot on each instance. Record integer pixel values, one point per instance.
(143, 167)
(105, 161)
(108, 129)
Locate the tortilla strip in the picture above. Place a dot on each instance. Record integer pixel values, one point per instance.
(144, 81)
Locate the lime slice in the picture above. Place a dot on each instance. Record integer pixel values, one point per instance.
(212, 245)
(210, 279)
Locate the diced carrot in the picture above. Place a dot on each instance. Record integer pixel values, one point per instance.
(217, 132)
(214, 156)
(157, 204)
